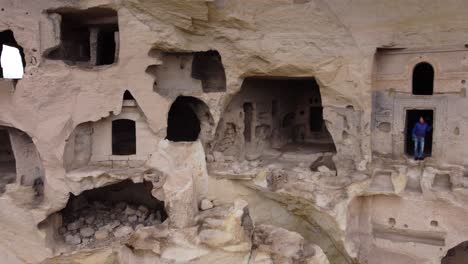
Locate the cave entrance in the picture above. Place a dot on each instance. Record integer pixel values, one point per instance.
(123, 137)
(106, 209)
(279, 113)
(7, 161)
(412, 117)
(20, 162)
(207, 67)
(88, 37)
(12, 60)
(183, 123)
(457, 254)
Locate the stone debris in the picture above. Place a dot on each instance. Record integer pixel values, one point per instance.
(226, 227)
(276, 178)
(74, 226)
(104, 221)
(130, 211)
(215, 238)
(101, 234)
(90, 219)
(283, 245)
(323, 168)
(114, 224)
(123, 231)
(86, 232)
(73, 239)
(206, 204)
(217, 202)
(146, 238)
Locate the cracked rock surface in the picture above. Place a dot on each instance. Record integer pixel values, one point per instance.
(268, 131)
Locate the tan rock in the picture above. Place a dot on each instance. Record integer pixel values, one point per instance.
(73, 239)
(206, 204)
(101, 234)
(298, 79)
(278, 241)
(123, 231)
(86, 232)
(214, 238)
(143, 239)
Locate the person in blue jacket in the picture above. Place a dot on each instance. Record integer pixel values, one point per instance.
(420, 130)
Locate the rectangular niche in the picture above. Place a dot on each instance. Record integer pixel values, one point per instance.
(442, 182)
(87, 37)
(413, 183)
(382, 182)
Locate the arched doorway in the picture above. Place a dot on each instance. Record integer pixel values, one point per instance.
(189, 118)
(423, 79)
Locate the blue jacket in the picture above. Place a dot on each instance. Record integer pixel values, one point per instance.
(420, 130)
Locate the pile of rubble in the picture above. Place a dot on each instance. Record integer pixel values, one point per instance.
(100, 222)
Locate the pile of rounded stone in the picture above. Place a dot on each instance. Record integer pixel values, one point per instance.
(100, 222)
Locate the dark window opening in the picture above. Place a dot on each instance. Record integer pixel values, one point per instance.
(128, 96)
(106, 47)
(208, 67)
(412, 117)
(120, 204)
(457, 254)
(123, 137)
(248, 119)
(88, 37)
(423, 79)
(183, 123)
(12, 60)
(7, 161)
(316, 119)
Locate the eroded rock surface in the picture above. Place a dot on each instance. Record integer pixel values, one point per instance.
(255, 131)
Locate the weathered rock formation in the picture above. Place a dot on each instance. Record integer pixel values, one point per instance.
(232, 131)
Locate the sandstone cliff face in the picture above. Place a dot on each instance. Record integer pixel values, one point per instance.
(297, 107)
